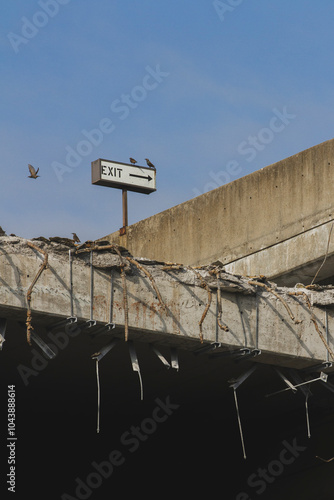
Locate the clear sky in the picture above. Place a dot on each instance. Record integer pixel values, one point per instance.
(208, 90)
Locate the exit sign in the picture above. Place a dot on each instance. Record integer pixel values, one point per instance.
(123, 176)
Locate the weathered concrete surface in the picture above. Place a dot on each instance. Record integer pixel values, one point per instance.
(296, 260)
(270, 222)
(277, 323)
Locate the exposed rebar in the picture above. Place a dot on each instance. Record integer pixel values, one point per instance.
(150, 277)
(271, 290)
(30, 328)
(314, 321)
(207, 288)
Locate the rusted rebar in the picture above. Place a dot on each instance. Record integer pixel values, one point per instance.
(271, 290)
(207, 288)
(314, 321)
(219, 314)
(150, 277)
(41, 269)
(125, 295)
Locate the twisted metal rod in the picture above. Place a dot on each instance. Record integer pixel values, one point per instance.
(30, 328)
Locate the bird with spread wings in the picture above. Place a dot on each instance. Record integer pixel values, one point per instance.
(33, 172)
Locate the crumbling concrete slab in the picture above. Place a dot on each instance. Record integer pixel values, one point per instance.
(163, 302)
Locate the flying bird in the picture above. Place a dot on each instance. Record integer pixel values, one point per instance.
(149, 163)
(75, 238)
(33, 172)
(133, 161)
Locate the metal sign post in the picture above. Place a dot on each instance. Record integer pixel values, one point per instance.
(125, 209)
(124, 176)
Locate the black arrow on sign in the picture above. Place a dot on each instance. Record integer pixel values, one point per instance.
(148, 177)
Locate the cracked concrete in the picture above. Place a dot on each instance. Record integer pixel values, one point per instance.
(262, 316)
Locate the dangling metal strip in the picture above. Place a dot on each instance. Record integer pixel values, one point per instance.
(160, 356)
(98, 356)
(3, 325)
(239, 423)
(322, 377)
(135, 366)
(98, 396)
(286, 381)
(45, 348)
(174, 359)
(307, 418)
(305, 389)
(234, 385)
(102, 352)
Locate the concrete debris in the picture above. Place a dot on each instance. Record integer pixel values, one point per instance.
(41, 238)
(64, 241)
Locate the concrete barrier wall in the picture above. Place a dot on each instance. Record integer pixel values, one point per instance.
(238, 219)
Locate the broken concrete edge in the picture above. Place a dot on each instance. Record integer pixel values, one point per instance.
(185, 274)
(211, 277)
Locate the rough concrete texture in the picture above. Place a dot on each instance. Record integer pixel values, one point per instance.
(284, 203)
(295, 260)
(283, 326)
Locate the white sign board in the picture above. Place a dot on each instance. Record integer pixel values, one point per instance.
(123, 176)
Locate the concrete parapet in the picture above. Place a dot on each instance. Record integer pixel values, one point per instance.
(283, 209)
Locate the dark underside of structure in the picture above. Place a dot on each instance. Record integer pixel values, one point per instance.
(182, 438)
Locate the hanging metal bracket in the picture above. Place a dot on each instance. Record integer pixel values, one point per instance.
(43, 346)
(231, 353)
(303, 386)
(3, 326)
(174, 358)
(206, 348)
(318, 368)
(102, 352)
(135, 365)
(98, 356)
(323, 378)
(251, 354)
(160, 356)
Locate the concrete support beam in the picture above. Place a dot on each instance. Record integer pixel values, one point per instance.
(281, 325)
(295, 260)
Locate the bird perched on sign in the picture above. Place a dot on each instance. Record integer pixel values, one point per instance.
(33, 172)
(75, 238)
(133, 161)
(149, 163)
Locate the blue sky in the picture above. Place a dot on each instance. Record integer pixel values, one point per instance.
(238, 85)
